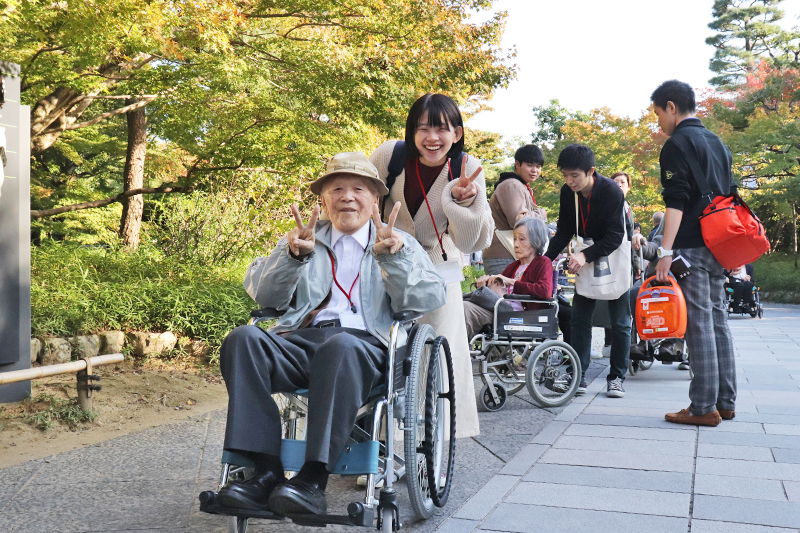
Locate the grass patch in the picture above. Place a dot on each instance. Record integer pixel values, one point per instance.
(44, 409)
(775, 274)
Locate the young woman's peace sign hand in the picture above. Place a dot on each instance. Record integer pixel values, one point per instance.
(466, 188)
(387, 240)
(301, 239)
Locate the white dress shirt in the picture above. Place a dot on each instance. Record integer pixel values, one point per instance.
(348, 251)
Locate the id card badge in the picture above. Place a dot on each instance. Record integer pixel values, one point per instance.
(450, 271)
(348, 319)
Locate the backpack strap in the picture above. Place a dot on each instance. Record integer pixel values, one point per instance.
(694, 165)
(397, 163)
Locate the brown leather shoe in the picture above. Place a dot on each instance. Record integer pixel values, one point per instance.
(685, 417)
(727, 414)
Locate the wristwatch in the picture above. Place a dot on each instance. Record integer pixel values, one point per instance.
(663, 253)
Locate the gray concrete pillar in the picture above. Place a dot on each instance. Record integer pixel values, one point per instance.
(15, 252)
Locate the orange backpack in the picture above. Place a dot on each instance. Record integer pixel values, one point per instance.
(660, 310)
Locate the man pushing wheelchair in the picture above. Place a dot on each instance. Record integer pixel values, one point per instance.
(338, 283)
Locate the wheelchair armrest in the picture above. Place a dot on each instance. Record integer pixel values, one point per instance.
(526, 298)
(406, 316)
(266, 313)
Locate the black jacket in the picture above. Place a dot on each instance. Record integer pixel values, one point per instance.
(681, 191)
(604, 223)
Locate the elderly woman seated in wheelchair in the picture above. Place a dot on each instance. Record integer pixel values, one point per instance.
(526, 315)
(347, 291)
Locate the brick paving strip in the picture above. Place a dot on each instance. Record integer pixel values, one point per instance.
(617, 465)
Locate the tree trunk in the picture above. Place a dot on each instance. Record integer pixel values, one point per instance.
(776, 235)
(132, 206)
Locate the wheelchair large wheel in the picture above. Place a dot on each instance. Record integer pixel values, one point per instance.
(424, 361)
(553, 374)
(440, 438)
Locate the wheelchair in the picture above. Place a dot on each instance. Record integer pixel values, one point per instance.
(419, 393)
(754, 310)
(520, 349)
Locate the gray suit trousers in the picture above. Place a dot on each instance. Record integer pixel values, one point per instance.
(708, 338)
(339, 366)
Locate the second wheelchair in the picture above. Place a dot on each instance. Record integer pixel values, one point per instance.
(521, 349)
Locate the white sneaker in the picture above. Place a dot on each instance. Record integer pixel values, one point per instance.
(596, 355)
(684, 366)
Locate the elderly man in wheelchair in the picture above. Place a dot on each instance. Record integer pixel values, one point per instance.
(341, 284)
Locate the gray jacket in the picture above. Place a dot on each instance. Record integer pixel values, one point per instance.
(404, 281)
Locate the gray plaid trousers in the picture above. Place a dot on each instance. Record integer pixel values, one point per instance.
(707, 335)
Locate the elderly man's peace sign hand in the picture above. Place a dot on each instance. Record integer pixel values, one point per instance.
(387, 240)
(465, 187)
(301, 239)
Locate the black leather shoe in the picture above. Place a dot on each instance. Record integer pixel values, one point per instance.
(298, 496)
(252, 493)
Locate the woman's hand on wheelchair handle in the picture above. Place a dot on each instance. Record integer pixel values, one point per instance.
(387, 240)
(576, 262)
(301, 239)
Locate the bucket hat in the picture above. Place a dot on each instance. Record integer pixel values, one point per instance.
(353, 164)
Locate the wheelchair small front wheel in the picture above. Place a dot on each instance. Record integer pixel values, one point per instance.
(633, 367)
(645, 365)
(237, 525)
(487, 400)
(553, 373)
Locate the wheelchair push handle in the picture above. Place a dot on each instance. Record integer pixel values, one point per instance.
(406, 316)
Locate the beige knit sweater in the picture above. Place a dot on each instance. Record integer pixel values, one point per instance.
(469, 223)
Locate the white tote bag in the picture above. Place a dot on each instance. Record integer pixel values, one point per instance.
(607, 278)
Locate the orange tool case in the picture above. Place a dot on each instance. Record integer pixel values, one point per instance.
(660, 310)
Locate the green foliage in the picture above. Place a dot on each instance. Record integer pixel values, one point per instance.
(45, 409)
(471, 273)
(620, 144)
(234, 88)
(79, 289)
(234, 220)
(775, 273)
(747, 33)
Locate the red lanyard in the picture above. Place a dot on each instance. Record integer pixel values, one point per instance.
(530, 191)
(333, 271)
(588, 212)
(424, 195)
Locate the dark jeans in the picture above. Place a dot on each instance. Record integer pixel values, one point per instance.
(620, 314)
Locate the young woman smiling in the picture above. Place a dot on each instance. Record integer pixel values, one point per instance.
(448, 213)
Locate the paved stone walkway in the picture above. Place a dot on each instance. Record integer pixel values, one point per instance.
(599, 463)
(616, 465)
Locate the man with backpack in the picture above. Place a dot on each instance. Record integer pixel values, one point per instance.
(713, 389)
(511, 200)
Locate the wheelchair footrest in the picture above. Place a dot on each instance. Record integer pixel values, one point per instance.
(209, 504)
(356, 459)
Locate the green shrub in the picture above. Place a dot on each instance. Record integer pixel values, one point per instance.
(77, 290)
(471, 273)
(775, 274)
